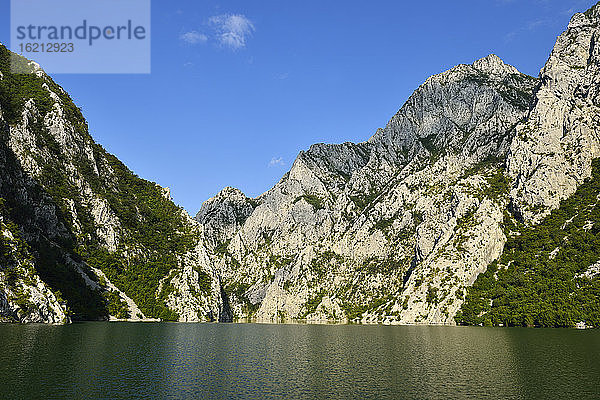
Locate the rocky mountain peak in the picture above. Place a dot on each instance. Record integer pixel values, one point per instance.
(592, 14)
(490, 68)
(230, 193)
(230, 196)
(224, 213)
(552, 152)
(494, 65)
(465, 109)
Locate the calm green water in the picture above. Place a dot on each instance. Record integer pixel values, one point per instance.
(180, 361)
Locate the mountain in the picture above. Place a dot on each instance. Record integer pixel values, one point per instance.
(382, 230)
(548, 273)
(397, 229)
(475, 204)
(83, 238)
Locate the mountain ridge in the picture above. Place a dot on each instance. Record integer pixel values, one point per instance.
(99, 235)
(410, 226)
(328, 178)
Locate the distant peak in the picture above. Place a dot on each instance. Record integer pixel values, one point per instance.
(493, 64)
(582, 19)
(593, 11)
(489, 59)
(229, 191)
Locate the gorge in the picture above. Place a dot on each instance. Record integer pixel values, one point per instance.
(476, 204)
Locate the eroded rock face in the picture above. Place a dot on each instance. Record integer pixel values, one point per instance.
(196, 293)
(552, 151)
(224, 214)
(394, 229)
(24, 297)
(389, 230)
(95, 241)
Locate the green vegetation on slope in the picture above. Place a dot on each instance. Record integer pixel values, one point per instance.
(17, 89)
(51, 266)
(538, 280)
(153, 231)
(311, 199)
(51, 256)
(152, 225)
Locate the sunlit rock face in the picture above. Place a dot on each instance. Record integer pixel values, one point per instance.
(81, 236)
(552, 151)
(389, 230)
(394, 229)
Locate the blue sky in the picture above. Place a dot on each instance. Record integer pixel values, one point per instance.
(238, 88)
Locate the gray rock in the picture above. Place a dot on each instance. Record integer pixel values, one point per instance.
(552, 151)
(391, 229)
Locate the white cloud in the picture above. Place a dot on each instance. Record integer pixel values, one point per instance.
(232, 30)
(193, 37)
(276, 161)
(531, 26)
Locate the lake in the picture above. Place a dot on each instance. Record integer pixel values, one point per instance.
(253, 361)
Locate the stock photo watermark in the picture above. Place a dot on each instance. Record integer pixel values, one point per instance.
(81, 36)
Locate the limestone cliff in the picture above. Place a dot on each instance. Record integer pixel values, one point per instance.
(391, 229)
(395, 229)
(82, 236)
(552, 152)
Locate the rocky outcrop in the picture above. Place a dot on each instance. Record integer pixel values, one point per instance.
(224, 214)
(552, 152)
(195, 290)
(101, 242)
(24, 297)
(391, 229)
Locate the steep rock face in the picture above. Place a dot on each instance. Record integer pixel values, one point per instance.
(194, 290)
(24, 297)
(552, 152)
(222, 215)
(387, 230)
(547, 275)
(100, 239)
(391, 230)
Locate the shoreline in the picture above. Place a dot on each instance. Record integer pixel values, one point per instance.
(322, 323)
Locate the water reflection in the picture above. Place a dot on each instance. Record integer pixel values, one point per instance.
(558, 363)
(126, 360)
